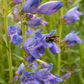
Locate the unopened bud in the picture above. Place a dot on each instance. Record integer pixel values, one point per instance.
(66, 75)
(29, 16)
(42, 63)
(16, 78)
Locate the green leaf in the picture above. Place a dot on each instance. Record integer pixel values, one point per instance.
(75, 3)
(2, 81)
(13, 68)
(72, 51)
(19, 57)
(63, 70)
(5, 46)
(75, 60)
(3, 36)
(77, 70)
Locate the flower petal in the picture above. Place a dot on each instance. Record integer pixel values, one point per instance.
(20, 69)
(55, 49)
(50, 7)
(31, 5)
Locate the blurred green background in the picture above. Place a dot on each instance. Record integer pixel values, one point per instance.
(73, 55)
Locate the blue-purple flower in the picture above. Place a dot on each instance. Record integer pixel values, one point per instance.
(35, 22)
(20, 69)
(44, 76)
(33, 46)
(30, 6)
(71, 39)
(15, 34)
(16, 78)
(67, 75)
(50, 7)
(57, 78)
(42, 63)
(72, 15)
(29, 78)
(31, 62)
(53, 47)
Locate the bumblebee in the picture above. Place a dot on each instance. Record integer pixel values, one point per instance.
(52, 39)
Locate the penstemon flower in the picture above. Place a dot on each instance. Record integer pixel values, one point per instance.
(72, 15)
(35, 22)
(15, 34)
(46, 8)
(44, 76)
(53, 47)
(32, 46)
(30, 6)
(20, 69)
(31, 62)
(72, 39)
(67, 75)
(29, 78)
(50, 7)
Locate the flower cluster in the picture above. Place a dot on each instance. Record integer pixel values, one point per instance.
(42, 76)
(36, 41)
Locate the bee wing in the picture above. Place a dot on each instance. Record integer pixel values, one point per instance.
(55, 38)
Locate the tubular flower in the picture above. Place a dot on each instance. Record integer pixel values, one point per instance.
(57, 78)
(67, 75)
(15, 34)
(35, 22)
(16, 78)
(50, 7)
(72, 15)
(71, 39)
(44, 75)
(20, 69)
(31, 6)
(31, 62)
(34, 47)
(28, 78)
(52, 45)
(42, 63)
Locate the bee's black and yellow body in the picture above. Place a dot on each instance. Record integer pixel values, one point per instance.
(52, 39)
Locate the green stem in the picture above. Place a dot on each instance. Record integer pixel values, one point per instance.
(60, 32)
(7, 41)
(23, 34)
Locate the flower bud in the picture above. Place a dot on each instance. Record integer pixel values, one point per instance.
(31, 6)
(42, 63)
(20, 69)
(29, 16)
(66, 75)
(50, 7)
